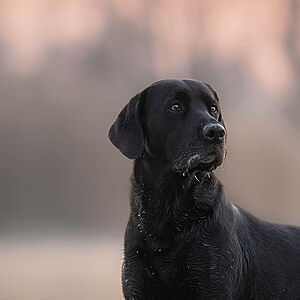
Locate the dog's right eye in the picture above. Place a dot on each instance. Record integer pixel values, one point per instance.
(175, 107)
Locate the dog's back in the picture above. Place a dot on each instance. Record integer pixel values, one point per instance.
(272, 255)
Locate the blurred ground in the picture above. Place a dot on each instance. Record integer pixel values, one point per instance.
(60, 269)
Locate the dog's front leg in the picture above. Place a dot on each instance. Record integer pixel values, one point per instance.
(138, 277)
(132, 279)
(139, 281)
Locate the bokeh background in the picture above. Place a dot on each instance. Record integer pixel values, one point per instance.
(67, 69)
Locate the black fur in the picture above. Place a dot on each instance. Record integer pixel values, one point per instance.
(183, 239)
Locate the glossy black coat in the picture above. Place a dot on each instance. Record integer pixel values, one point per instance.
(183, 239)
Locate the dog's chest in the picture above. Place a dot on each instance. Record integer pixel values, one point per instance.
(163, 269)
(172, 268)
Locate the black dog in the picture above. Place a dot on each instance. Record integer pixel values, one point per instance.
(183, 239)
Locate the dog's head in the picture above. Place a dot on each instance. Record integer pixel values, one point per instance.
(178, 122)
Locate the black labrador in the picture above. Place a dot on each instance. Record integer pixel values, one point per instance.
(183, 239)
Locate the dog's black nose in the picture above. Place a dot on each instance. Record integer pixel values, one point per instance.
(214, 132)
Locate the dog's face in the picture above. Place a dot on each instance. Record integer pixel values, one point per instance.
(178, 122)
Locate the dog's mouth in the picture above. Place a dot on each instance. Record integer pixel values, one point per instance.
(196, 162)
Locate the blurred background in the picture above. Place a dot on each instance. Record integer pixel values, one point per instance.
(67, 69)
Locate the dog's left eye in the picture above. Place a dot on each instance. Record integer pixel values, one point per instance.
(214, 111)
(175, 107)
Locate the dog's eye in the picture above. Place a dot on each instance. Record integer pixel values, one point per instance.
(214, 111)
(175, 107)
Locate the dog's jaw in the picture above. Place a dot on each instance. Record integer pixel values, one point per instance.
(188, 164)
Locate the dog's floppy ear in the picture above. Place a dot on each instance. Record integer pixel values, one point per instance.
(127, 133)
(221, 120)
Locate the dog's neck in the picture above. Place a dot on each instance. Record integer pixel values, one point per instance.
(164, 202)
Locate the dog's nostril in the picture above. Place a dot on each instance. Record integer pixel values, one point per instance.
(222, 134)
(210, 134)
(214, 132)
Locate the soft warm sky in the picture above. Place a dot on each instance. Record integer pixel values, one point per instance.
(228, 30)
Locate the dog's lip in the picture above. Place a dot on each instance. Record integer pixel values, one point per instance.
(196, 160)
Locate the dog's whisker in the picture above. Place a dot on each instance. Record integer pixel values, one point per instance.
(197, 178)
